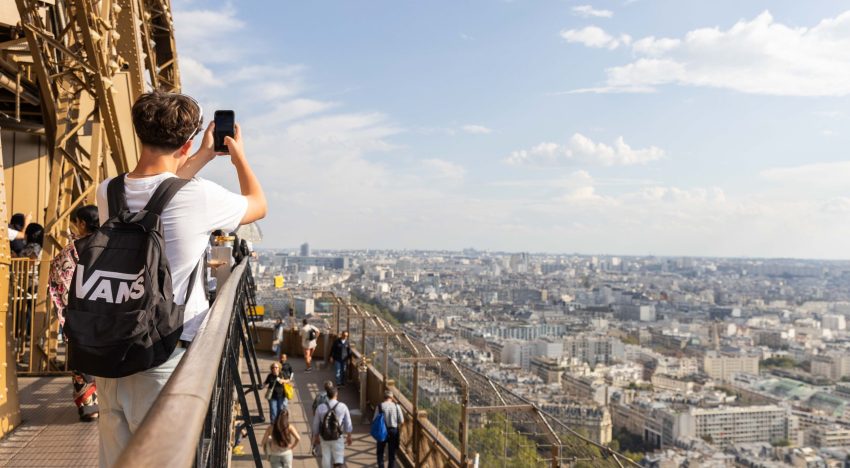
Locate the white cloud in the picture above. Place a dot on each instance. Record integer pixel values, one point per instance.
(587, 11)
(758, 56)
(652, 46)
(214, 35)
(837, 205)
(196, 75)
(582, 149)
(593, 36)
(476, 129)
(815, 176)
(445, 169)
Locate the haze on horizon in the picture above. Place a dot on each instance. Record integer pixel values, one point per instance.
(635, 127)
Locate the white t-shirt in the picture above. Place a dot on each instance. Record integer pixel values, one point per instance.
(187, 221)
(306, 342)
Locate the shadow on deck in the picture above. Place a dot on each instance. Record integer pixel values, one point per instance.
(307, 385)
(52, 435)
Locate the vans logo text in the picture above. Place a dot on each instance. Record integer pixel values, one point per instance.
(130, 286)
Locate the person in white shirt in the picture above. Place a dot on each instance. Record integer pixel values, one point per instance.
(308, 344)
(166, 124)
(333, 451)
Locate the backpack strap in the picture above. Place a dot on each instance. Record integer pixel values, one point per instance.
(116, 199)
(164, 193)
(192, 277)
(158, 201)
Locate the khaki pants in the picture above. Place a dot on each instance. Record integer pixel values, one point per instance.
(124, 402)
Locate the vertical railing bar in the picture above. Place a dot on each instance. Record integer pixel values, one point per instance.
(243, 403)
(250, 356)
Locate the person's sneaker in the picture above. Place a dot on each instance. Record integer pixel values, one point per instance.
(238, 450)
(309, 369)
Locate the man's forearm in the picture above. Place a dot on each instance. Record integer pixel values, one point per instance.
(250, 187)
(194, 164)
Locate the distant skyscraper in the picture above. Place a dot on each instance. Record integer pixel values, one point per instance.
(305, 250)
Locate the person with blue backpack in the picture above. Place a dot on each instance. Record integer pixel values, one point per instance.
(385, 428)
(133, 309)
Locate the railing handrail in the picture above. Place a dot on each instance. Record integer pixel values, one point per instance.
(169, 433)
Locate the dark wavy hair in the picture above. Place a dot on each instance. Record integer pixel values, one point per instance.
(280, 432)
(166, 120)
(35, 234)
(17, 221)
(89, 216)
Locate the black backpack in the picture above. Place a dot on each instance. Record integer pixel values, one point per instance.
(312, 335)
(121, 317)
(330, 429)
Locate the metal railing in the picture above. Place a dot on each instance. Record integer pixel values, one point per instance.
(198, 404)
(37, 348)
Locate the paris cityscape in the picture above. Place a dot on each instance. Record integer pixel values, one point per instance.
(713, 361)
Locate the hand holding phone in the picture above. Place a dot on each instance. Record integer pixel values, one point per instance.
(225, 126)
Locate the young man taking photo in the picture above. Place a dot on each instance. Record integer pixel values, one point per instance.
(166, 125)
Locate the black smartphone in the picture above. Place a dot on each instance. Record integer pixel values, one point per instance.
(224, 122)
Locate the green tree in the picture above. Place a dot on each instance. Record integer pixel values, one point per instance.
(499, 444)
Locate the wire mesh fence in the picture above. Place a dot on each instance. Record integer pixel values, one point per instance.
(482, 421)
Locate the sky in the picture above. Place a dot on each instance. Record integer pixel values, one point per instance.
(628, 127)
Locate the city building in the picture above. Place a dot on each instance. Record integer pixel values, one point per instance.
(330, 263)
(736, 424)
(637, 313)
(722, 367)
(666, 382)
(593, 348)
(585, 389)
(828, 436)
(548, 369)
(833, 322)
(833, 366)
(590, 420)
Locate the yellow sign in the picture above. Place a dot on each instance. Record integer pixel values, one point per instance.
(260, 310)
(278, 281)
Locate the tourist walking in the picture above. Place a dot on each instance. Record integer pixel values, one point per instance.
(340, 355)
(84, 222)
(309, 337)
(332, 429)
(277, 340)
(275, 395)
(280, 439)
(393, 418)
